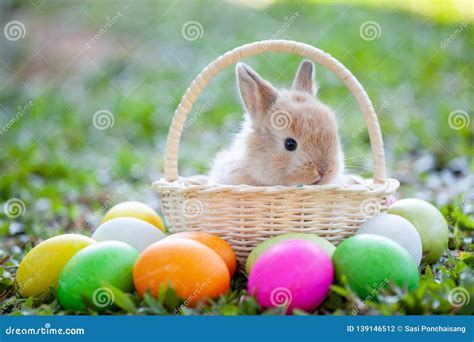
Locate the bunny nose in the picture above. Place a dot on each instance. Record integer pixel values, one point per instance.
(317, 180)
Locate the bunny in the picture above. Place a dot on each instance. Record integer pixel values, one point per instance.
(288, 137)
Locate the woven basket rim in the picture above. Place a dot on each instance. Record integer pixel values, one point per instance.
(182, 185)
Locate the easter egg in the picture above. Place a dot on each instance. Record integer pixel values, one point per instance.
(370, 262)
(398, 229)
(192, 269)
(40, 268)
(214, 242)
(87, 278)
(137, 233)
(295, 274)
(137, 210)
(390, 200)
(429, 223)
(257, 251)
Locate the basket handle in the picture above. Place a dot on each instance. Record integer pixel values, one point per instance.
(256, 48)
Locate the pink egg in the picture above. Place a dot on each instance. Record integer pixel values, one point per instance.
(294, 273)
(390, 200)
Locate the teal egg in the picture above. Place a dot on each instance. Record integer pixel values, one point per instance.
(370, 262)
(89, 277)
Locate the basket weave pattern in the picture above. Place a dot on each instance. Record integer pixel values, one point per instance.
(247, 215)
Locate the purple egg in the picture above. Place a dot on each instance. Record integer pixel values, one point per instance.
(295, 274)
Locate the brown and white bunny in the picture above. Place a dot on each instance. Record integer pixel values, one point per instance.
(288, 137)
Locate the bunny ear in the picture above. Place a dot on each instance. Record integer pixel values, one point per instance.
(257, 94)
(304, 79)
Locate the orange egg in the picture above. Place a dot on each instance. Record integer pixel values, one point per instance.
(194, 270)
(214, 242)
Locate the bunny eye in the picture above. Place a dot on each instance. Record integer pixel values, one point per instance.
(291, 144)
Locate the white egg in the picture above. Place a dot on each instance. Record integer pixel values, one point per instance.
(137, 233)
(397, 229)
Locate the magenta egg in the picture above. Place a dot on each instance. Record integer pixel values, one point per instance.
(390, 200)
(296, 274)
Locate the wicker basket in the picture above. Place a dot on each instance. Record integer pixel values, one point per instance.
(246, 215)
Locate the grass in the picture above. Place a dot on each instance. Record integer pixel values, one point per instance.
(67, 172)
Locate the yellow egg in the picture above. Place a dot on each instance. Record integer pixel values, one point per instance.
(137, 210)
(41, 267)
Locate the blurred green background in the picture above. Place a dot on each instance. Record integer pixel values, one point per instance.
(133, 60)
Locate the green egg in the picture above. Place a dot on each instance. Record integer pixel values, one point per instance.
(257, 251)
(87, 278)
(370, 262)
